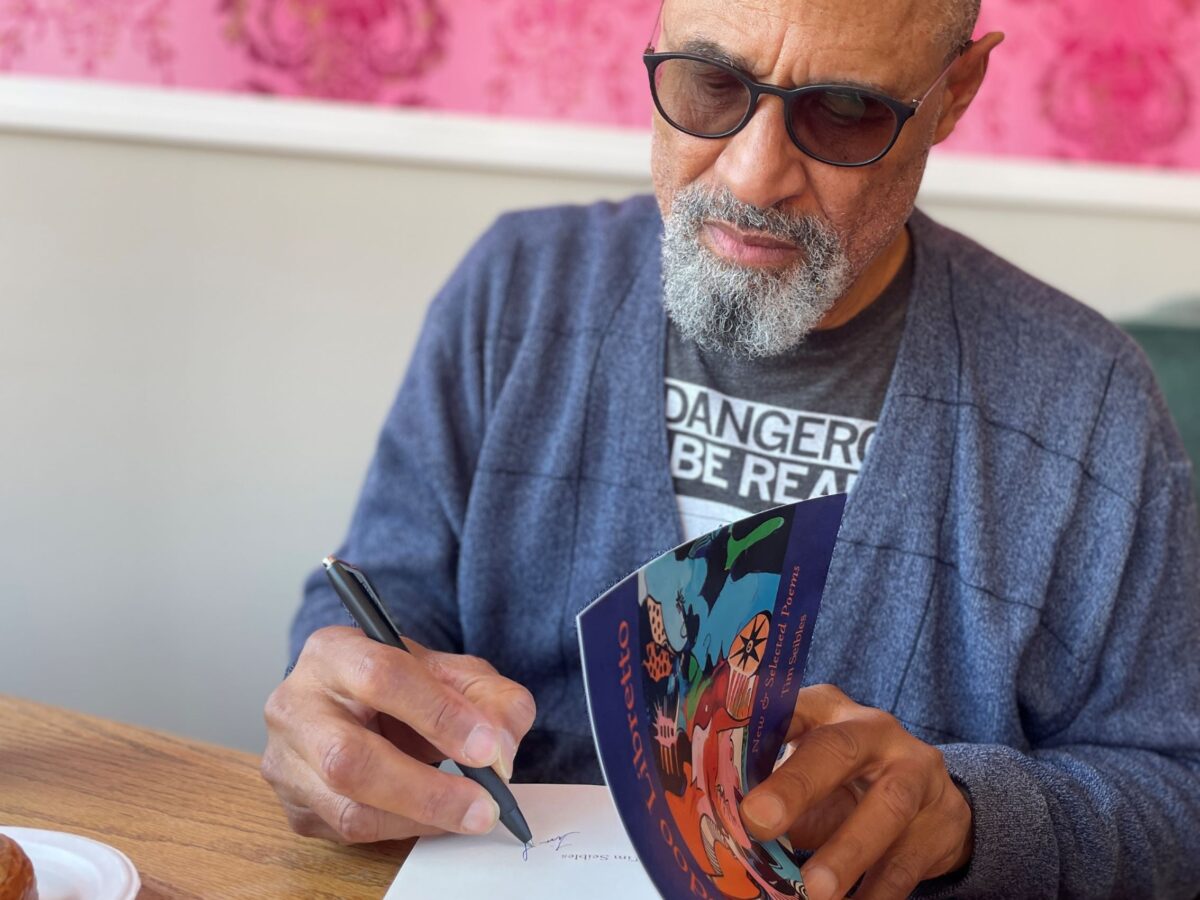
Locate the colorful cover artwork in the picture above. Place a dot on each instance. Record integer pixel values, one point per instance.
(692, 665)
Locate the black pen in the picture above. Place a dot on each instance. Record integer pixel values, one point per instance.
(363, 603)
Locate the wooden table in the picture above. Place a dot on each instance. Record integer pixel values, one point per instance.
(197, 820)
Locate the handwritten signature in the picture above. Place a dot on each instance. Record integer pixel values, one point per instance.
(558, 842)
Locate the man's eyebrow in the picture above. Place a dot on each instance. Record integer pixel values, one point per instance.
(713, 50)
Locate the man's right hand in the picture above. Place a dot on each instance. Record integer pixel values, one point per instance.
(353, 730)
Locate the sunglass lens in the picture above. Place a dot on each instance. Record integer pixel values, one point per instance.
(699, 97)
(843, 126)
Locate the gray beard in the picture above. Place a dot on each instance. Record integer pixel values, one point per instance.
(747, 312)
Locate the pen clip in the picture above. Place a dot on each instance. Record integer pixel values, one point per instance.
(364, 583)
(372, 598)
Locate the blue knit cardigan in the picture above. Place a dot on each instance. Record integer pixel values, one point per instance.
(1017, 578)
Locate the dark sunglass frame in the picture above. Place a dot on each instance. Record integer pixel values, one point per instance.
(901, 110)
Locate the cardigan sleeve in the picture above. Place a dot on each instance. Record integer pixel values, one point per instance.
(407, 525)
(1108, 805)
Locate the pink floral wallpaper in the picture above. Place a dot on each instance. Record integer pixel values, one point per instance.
(1104, 80)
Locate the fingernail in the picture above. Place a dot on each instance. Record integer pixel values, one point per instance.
(481, 816)
(763, 810)
(508, 752)
(482, 746)
(819, 883)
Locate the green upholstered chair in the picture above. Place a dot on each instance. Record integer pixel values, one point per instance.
(1171, 340)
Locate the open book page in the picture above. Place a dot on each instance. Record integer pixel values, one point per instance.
(579, 851)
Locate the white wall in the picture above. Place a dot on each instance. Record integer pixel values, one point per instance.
(196, 350)
(201, 328)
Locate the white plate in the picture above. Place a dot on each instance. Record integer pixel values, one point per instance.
(72, 867)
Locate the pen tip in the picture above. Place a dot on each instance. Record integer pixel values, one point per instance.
(515, 823)
(328, 561)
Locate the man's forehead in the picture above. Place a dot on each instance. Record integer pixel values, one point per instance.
(869, 15)
(759, 33)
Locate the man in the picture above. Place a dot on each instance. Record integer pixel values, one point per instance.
(1004, 677)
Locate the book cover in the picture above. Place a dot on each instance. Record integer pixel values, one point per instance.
(691, 666)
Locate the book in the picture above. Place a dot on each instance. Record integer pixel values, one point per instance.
(691, 666)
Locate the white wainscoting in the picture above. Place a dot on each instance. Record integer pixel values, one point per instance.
(208, 301)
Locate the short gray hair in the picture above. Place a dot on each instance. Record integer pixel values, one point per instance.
(956, 23)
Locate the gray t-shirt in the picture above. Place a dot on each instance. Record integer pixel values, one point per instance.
(746, 435)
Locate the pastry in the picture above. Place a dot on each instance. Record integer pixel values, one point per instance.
(16, 872)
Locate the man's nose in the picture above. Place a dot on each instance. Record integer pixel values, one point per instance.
(760, 164)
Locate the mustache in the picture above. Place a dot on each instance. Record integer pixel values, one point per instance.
(693, 206)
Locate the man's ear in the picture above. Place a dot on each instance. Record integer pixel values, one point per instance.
(963, 82)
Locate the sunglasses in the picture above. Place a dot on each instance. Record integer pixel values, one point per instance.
(838, 124)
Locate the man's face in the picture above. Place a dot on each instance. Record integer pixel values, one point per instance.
(725, 285)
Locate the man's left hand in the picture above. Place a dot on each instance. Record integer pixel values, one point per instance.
(867, 796)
